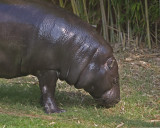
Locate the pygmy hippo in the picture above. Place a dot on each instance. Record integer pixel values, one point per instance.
(46, 41)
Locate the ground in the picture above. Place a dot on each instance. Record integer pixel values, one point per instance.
(139, 105)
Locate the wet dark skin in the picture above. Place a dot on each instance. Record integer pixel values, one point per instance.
(46, 41)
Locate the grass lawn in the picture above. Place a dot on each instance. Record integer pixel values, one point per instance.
(139, 105)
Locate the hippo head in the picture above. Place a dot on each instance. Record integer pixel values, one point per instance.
(101, 81)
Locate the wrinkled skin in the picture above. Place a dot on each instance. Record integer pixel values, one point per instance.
(46, 41)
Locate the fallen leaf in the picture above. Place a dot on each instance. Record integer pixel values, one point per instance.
(152, 121)
(52, 123)
(95, 125)
(128, 59)
(120, 125)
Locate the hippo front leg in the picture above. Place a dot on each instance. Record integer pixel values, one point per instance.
(47, 83)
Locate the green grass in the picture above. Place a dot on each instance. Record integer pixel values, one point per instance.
(139, 105)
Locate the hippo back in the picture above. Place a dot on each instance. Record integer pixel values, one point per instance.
(49, 38)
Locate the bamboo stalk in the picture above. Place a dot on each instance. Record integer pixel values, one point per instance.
(159, 7)
(124, 41)
(77, 12)
(128, 25)
(119, 27)
(85, 10)
(128, 31)
(61, 3)
(74, 7)
(110, 20)
(148, 29)
(104, 21)
(114, 7)
(116, 18)
(142, 9)
(156, 35)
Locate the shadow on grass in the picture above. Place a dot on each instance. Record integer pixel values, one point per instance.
(30, 95)
(74, 98)
(16, 93)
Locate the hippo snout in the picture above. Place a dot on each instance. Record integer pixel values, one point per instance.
(110, 98)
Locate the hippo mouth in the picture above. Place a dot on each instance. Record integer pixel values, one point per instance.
(109, 98)
(107, 103)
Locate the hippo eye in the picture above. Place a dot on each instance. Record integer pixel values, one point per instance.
(109, 64)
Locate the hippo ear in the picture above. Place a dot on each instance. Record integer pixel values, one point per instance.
(109, 63)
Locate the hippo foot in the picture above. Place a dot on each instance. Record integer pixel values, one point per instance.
(57, 110)
(51, 107)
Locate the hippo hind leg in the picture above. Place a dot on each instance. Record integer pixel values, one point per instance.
(47, 83)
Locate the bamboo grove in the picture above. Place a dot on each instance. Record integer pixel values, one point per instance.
(128, 22)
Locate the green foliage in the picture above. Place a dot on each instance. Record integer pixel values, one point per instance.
(154, 11)
(126, 18)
